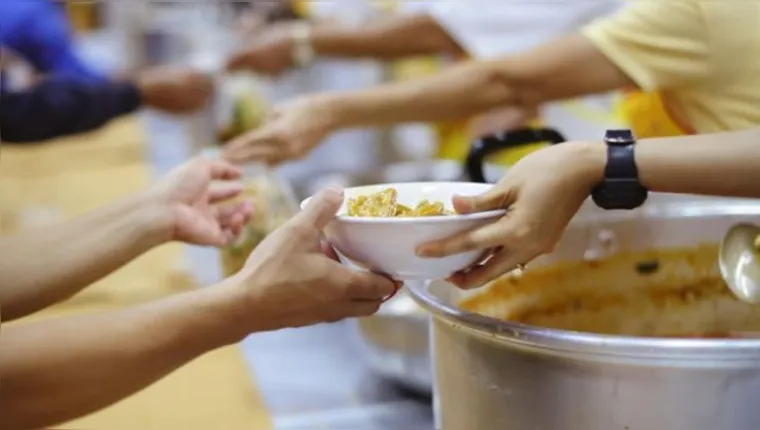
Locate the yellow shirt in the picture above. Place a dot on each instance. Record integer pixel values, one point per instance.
(702, 58)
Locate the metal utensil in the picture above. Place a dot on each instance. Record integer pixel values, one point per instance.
(740, 261)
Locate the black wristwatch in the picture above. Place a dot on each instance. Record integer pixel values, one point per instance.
(620, 188)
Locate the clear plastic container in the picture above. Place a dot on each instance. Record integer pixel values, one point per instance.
(240, 106)
(274, 203)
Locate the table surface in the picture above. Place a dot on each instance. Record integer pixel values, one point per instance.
(309, 378)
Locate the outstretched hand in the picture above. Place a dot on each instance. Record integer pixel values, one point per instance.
(291, 132)
(321, 289)
(189, 199)
(541, 193)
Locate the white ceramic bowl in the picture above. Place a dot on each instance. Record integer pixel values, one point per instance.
(386, 245)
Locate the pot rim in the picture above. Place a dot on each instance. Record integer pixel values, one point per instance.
(567, 342)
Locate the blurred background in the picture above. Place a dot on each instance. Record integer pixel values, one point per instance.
(315, 378)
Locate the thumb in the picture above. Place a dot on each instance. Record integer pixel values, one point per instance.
(253, 141)
(495, 198)
(322, 208)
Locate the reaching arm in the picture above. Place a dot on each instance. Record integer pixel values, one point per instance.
(387, 39)
(46, 265)
(271, 50)
(722, 164)
(541, 205)
(58, 370)
(62, 106)
(719, 164)
(565, 68)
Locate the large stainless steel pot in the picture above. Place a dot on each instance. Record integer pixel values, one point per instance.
(494, 375)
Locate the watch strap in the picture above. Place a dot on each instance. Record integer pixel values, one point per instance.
(621, 163)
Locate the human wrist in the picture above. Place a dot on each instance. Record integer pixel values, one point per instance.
(327, 112)
(153, 218)
(590, 158)
(231, 316)
(202, 320)
(245, 307)
(337, 111)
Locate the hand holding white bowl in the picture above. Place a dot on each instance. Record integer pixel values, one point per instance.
(388, 245)
(543, 192)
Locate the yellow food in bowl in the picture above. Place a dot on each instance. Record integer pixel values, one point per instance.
(384, 204)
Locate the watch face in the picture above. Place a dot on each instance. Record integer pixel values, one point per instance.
(622, 137)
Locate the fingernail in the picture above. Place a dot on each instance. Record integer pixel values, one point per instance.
(337, 189)
(397, 286)
(424, 252)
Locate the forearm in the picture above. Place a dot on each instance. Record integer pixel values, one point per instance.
(565, 68)
(388, 39)
(67, 105)
(58, 370)
(456, 93)
(721, 164)
(43, 266)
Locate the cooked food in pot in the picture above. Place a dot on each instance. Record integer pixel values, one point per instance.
(383, 204)
(657, 293)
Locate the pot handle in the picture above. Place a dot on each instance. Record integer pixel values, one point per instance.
(488, 145)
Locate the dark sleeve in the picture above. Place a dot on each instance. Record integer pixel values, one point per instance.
(62, 106)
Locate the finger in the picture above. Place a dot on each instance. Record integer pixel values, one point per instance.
(266, 153)
(251, 147)
(503, 232)
(362, 285)
(235, 225)
(212, 235)
(231, 215)
(223, 170)
(364, 308)
(501, 263)
(259, 136)
(495, 198)
(321, 208)
(397, 285)
(225, 192)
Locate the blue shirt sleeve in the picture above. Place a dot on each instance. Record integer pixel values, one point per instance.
(62, 106)
(38, 30)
